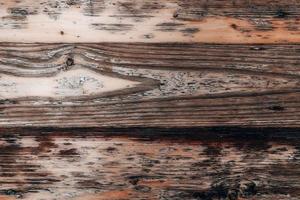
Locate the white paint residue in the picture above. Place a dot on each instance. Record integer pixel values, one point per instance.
(77, 82)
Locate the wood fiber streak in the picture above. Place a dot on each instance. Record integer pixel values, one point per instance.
(213, 21)
(97, 165)
(158, 85)
(149, 100)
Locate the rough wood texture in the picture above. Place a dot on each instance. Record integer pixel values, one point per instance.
(149, 100)
(149, 85)
(215, 21)
(160, 164)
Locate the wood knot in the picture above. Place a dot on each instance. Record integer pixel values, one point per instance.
(70, 62)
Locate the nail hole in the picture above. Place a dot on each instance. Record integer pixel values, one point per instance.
(175, 15)
(257, 48)
(281, 13)
(234, 26)
(276, 108)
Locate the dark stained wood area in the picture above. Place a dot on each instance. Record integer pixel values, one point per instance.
(149, 85)
(158, 164)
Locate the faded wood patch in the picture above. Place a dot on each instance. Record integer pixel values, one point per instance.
(238, 21)
(73, 83)
(149, 85)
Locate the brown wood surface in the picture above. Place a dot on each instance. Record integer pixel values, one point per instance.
(149, 85)
(213, 21)
(158, 164)
(149, 100)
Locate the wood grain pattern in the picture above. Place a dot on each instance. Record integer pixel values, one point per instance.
(156, 164)
(149, 100)
(172, 85)
(218, 21)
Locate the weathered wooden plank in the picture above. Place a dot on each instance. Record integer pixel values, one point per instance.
(218, 21)
(136, 164)
(149, 85)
